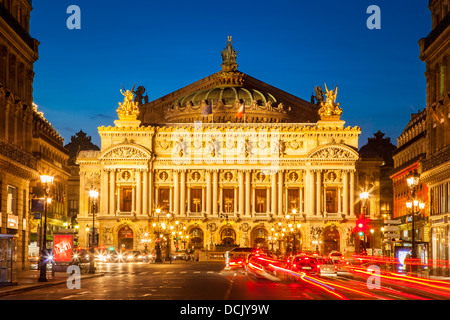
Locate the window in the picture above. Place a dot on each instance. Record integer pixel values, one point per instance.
(293, 199)
(228, 200)
(127, 199)
(261, 200)
(11, 204)
(164, 199)
(331, 200)
(196, 200)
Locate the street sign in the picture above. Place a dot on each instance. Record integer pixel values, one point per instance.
(392, 222)
(391, 228)
(395, 234)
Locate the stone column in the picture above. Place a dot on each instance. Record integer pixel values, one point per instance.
(112, 192)
(118, 199)
(138, 192)
(156, 197)
(203, 200)
(133, 199)
(339, 200)
(221, 200)
(176, 185)
(145, 193)
(280, 192)
(274, 194)
(215, 211)
(345, 182)
(151, 193)
(208, 192)
(241, 193)
(189, 199)
(248, 183)
(352, 193)
(171, 199)
(311, 192)
(82, 193)
(268, 200)
(103, 193)
(254, 199)
(183, 193)
(318, 192)
(300, 200)
(235, 200)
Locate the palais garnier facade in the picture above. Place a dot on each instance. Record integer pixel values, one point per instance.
(226, 161)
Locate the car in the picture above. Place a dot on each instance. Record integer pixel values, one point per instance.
(238, 257)
(81, 256)
(303, 263)
(180, 255)
(326, 267)
(335, 255)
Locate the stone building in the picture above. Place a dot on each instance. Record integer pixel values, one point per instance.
(435, 170)
(227, 157)
(373, 170)
(52, 159)
(18, 167)
(411, 149)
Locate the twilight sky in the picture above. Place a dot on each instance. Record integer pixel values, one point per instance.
(291, 44)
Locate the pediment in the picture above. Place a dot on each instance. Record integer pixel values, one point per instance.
(333, 152)
(126, 152)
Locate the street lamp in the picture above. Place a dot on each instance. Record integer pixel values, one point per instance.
(363, 196)
(414, 204)
(46, 181)
(158, 258)
(93, 195)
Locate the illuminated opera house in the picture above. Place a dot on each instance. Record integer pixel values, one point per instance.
(226, 161)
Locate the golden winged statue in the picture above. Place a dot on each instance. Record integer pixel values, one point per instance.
(128, 109)
(330, 107)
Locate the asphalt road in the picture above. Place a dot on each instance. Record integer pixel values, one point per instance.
(200, 281)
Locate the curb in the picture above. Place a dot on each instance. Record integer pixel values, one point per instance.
(32, 287)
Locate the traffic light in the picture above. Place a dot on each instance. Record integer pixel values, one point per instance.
(362, 225)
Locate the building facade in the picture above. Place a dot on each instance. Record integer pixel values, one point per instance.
(411, 150)
(373, 169)
(435, 170)
(227, 157)
(18, 167)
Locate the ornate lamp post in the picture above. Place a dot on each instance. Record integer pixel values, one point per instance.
(168, 216)
(415, 206)
(93, 195)
(46, 181)
(158, 258)
(363, 197)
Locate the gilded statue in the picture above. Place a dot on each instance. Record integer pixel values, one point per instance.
(330, 107)
(128, 108)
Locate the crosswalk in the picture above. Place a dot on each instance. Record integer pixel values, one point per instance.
(150, 273)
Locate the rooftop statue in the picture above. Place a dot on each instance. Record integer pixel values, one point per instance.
(229, 57)
(330, 107)
(320, 96)
(128, 109)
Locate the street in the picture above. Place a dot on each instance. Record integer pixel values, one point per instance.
(199, 281)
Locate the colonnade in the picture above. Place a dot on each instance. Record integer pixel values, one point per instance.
(311, 198)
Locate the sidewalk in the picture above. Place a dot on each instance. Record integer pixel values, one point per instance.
(28, 280)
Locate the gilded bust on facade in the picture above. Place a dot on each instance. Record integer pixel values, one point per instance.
(330, 107)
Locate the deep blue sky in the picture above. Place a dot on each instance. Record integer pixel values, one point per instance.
(291, 44)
